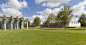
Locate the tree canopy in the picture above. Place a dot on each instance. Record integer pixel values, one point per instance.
(64, 15)
(46, 23)
(36, 21)
(82, 19)
(28, 23)
(51, 18)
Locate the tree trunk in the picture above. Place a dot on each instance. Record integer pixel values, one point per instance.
(64, 25)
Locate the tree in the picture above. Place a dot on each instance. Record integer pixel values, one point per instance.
(82, 19)
(46, 23)
(28, 23)
(36, 21)
(32, 24)
(64, 15)
(52, 19)
(25, 24)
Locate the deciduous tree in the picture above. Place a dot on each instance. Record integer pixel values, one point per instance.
(28, 23)
(36, 21)
(52, 19)
(46, 23)
(25, 24)
(64, 15)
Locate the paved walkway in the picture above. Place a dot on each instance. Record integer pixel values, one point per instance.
(59, 30)
(65, 30)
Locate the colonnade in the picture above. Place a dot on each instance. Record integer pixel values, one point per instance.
(17, 26)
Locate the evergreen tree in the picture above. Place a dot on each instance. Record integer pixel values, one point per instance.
(82, 19)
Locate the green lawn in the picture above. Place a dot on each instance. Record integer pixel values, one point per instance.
(41, 37)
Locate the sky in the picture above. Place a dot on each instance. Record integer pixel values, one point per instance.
(41, 8)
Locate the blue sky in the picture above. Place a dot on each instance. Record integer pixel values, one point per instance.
(41, 8)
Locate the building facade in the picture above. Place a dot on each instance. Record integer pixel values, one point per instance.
(11, 22)
(75, 24)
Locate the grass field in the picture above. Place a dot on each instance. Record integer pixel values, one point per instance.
(32, 36)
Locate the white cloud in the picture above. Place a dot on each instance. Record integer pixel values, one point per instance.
(48, 11)
(40, 12)
(11, 11)
(33, 17)
(51, 3)
(44, 4)
(45, 13)
(75, 19)
(16, 4)
(79, 8)
(13, 6)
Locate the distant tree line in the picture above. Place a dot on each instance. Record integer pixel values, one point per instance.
(82, 19)
(61, 19)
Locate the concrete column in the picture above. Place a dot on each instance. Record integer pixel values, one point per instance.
(11, 24)
(27, 24)
(22, 20)
(5, 24)
(17, 21)
(17, 24)
(22, 25)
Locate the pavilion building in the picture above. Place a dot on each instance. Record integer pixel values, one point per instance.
(11, 22)
(75, 24)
